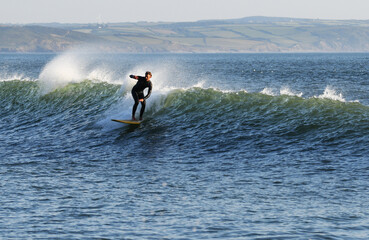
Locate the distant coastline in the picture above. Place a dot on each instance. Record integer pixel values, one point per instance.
(245, 35)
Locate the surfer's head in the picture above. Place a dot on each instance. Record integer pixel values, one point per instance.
(148, 75)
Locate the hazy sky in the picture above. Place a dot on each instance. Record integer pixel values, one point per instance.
(91, 11)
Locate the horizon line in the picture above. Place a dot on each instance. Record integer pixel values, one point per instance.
(202, 20)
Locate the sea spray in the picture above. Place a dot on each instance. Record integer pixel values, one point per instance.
(62, 70)
(287, 91)
(76, 66)
(268, 91)
(283, 91)
(331, 93)
(4, 76)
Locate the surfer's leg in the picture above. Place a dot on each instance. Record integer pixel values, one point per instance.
(143, 105)
(135, 97)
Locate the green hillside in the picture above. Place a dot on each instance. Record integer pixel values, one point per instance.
(253, 34)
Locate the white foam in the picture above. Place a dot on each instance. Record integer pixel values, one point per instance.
(268, 91)
(330, 93)
(287, 91)
(11, 77)
(121, 110)
(200, 84)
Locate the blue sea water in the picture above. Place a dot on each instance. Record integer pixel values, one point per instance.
(233, 146)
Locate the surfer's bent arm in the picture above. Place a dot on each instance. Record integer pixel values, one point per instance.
(149, 92)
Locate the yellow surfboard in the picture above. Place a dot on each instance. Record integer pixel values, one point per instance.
(127, 121)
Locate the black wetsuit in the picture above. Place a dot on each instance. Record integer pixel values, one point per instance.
(138, 93)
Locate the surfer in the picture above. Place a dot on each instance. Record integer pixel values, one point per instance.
(138, 92)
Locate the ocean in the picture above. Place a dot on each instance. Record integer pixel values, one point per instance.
(232, 146)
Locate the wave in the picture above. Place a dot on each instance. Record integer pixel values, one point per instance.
(100, 102)
(228, 120)
(243, 104)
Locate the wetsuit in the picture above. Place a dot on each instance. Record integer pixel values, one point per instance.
(138, 93)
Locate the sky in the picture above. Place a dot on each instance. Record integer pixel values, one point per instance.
(109, 11)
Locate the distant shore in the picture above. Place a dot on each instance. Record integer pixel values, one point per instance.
(246, 35)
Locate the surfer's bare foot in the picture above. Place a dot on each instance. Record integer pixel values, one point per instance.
(134, 119)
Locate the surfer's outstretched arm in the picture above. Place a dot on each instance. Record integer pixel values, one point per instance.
(133, 76)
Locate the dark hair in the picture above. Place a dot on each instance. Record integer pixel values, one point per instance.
(148, 73)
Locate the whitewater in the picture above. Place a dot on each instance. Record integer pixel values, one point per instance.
(232, 146)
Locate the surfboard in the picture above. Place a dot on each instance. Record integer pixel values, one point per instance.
(127, 121)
